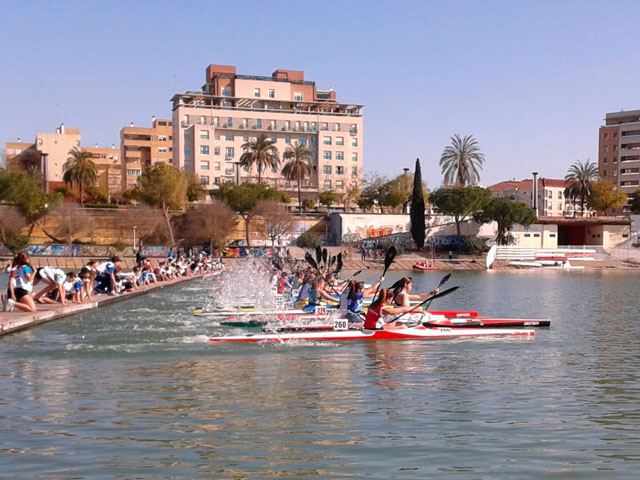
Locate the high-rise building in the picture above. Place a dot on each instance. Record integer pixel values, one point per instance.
(142, 147)
(619, 151)
(210, 126)
(108, 166)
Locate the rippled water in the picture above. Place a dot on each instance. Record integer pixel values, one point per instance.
(135, 391)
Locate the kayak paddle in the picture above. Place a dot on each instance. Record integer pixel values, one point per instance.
(388, 260)
(428, 299)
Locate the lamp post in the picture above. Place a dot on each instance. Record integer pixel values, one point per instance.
(134, 238)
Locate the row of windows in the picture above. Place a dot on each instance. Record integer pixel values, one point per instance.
(230, 153)
(606, 160)
(605, 148)
(327, 169)
(338, 141)
(259, 123)
(606, 135)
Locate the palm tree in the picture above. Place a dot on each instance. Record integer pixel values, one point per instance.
(262, 152)
(578, 181)
(298, 167)
(461, 161)
(80, 169)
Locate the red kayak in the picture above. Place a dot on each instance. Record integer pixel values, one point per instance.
(423, 267)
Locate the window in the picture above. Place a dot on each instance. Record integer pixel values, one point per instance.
(326, 185)
(326, 140)
(339, 155)
(259, 123)
(216, 166)
(274, 140)
(303, 141)
(245, 123)
(163, 138)
(204, 180)
(559, 205)
(615, 148)
(354, 171)
(606, 136)
(229, 138)
(115, 157)
(340, 141)
(134, 173)
(339, 170)
(162, 149)
(203, 120)
(287, 125)
(272, 93)
(287, 139)
(204, 134)
(339, 185)
(217, 138)
(204, 165)
(336, 127)
(297, 96)
(604, 161)
(187, 151)
(604, 173)
(326, 170)
(527, 235)
(559, 194)
(245, 168)
(216, 150)
(226, 91)
(229, 152)
(314, 141)
(245, 139)
(324, 126)
(186, 119)
(216, 121)
(272, 124)
(298, 128)
(354, 142)
(256, 92)
(204, 149)
(229, 122)
(274, 169)
(326, 155)
(615, 173)
(605, 148)
(354, 157)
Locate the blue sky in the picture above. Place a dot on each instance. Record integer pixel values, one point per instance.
(531, 81)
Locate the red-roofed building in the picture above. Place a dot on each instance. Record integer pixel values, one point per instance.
(551, 199)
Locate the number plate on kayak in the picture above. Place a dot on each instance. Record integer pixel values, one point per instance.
(341, 324)
(321, 310)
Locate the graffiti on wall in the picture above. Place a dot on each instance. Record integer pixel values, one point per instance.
(359, 231)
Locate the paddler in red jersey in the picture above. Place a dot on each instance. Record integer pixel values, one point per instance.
(381, 308)
(402, 297)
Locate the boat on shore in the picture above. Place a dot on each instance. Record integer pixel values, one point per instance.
(424, 266)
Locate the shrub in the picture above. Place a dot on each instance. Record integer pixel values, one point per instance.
(309, 240)
(17, 242)
(474, 246)
(308, 204)
(66, 191)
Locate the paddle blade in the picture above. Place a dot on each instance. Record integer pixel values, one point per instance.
(339, 267)
(444, 280)
(324, 256)
(389, 257)
(318, 255)
(443, 293)
(310, 260)
(356, 274)
(396, 284)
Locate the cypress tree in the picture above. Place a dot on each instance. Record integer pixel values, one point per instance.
(417, 208)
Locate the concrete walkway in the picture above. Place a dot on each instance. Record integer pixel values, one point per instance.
(18, 320)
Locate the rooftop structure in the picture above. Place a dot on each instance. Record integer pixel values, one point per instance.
(551, 200)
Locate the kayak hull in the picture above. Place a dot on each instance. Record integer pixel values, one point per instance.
(415, 333)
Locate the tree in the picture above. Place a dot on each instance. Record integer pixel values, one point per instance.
(635, 203)
(374, 191)
(195, 191)
(261, 152)
(309, 240)
(578, 181)
(11, 223)
(277, 219)
(243, 198)
(351, 194)
(165, 187)
(505, 213)
(603, 196)
(24, 193)
(298, 166)
(459, 202)
(461, 161)
(80, 170)
(400, 191)
(212, 222)
(97, 194)
(72, 222)
(417, 208)
(328, 198)
(308, 204)
(148, 222)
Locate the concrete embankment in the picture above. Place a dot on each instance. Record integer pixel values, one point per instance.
(18, 320)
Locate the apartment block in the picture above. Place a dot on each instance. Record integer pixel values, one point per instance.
(211, 125)
(551, 200)
(619, 151)
(108, 165)
(142, 147)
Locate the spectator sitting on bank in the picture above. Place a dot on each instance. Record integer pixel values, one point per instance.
(55, 279)
(106, 281)
(20, 290)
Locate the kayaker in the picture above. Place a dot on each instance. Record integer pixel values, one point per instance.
(355, 295)
(283, 283)
(317, 292)
(381, 308)
(402, 297)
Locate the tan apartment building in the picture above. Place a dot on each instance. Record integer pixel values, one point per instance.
(551, 199)
(210, 126)
(619, 151)
(142, 147)
(108, 164)
(50, 152)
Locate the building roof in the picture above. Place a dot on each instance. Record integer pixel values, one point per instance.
(527, 184)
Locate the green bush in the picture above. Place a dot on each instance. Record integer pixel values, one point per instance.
(100, 205)
(474, 246)
(66, 190)
(308, 204)
(309, 240)
(17, 242)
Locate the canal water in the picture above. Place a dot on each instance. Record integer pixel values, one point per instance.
(134, 390)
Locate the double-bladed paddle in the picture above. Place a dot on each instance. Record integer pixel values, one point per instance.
(427, 300)
(388, 260)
